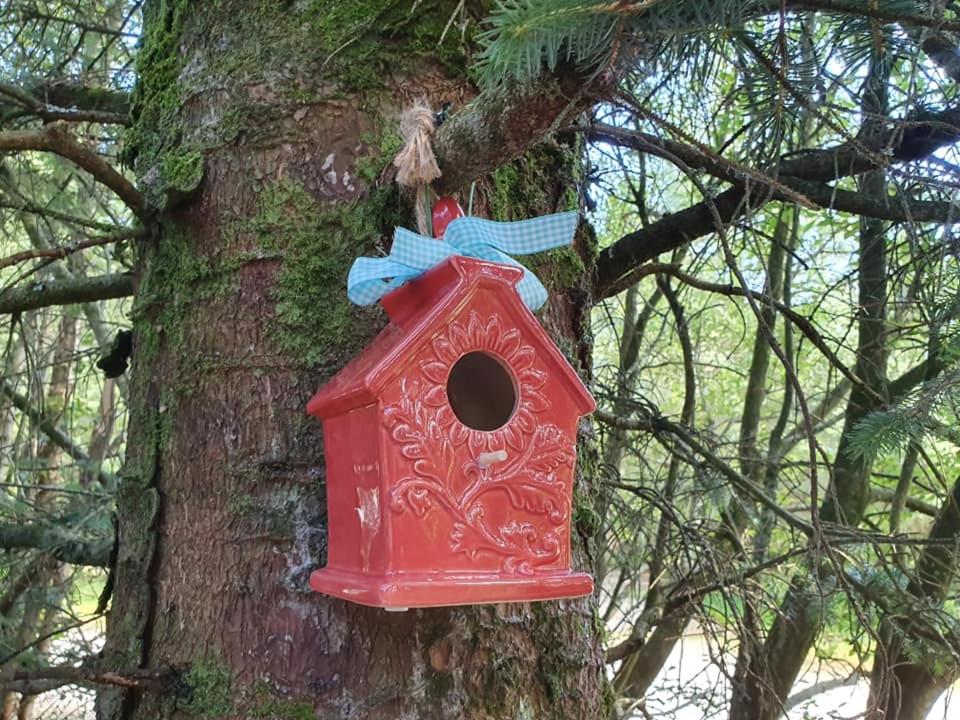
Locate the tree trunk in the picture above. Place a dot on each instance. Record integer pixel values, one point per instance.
(263, 128)
(904, 686)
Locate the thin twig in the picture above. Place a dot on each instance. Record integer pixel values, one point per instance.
(63, 251)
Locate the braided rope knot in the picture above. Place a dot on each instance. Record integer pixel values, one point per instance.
(416, 164)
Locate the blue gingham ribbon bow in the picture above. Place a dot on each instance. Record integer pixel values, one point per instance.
(412, 254)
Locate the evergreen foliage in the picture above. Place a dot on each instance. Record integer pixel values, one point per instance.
(524, 38)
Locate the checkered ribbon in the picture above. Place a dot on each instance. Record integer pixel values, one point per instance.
(411, 255)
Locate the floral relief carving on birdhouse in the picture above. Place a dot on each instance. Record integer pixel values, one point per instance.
(457, 458)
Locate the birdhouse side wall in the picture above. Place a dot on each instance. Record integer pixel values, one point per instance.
(357, 536)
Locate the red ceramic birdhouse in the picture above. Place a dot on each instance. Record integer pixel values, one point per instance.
(445, 211)
(450, 446)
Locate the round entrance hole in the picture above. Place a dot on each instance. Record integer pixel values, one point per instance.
(481, 391)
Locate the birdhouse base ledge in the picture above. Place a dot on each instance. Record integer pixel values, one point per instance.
(412, 590)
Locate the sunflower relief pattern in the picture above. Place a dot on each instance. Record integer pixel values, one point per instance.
(442, 452)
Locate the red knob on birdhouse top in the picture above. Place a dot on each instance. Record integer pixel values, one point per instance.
(445, 210)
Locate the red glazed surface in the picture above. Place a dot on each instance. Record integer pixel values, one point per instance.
(423, 509)
(445, 211)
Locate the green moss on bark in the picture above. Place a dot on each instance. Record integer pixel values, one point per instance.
(154, 142)
(283, 710)
(182, 171)
(318, 244)
(260, 701)
(518, 191)
(519, 187)
(209, 688)
(502, 684)
(586, 518)
(559, 663)
(329, 49)
(178, 278)
(366, 40)
(384, 146)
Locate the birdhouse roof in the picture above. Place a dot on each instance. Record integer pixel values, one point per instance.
(417, 310)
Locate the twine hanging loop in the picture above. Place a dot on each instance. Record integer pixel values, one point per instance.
(416, 164)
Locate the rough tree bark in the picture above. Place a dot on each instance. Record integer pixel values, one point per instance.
(914, 663)
(260, 130)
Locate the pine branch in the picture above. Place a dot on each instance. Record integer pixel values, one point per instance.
(63, 251)
(51, 113)
(527, 37)
(56, 542)
(500, 124)
(56, 138)
(56, 435)
(911, 141)
(745, 485)
(66, 292)
(864, 9)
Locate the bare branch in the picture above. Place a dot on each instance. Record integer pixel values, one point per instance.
(24, 205)
(907, 141)
(66, 292)
(743, 484)
(57, 139)
(53, 540)
(34, 14)
(896, 208)
(63, 251)
(4, 661)
(817, 195)
(74, 94)
(137, 678)
(56, 435)
(502, 123)
(940, 48)
(51, 113)
(802, 323)
(915, 504)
